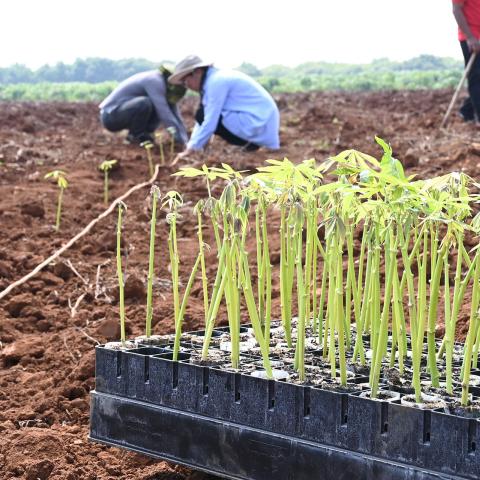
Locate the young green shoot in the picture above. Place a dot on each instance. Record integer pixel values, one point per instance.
(148, 147)
(105, 167)
(62, 183)
(155, 195)
(173, 200)
(159, 138)
(362, 261)
(199, 207)
(172, 131)
(121, 282)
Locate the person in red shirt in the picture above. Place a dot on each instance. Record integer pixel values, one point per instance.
(467, 15)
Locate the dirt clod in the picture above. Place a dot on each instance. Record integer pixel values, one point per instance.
(33, 209)
(40, 470)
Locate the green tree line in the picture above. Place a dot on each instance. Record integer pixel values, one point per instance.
(92, 79)
(89, 70)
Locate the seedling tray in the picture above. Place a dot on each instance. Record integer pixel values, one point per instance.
(243, 427)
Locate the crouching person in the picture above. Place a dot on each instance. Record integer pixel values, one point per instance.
(232, 106)
(141, 104)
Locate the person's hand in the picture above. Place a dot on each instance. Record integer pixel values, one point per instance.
(182, 156)
(474, 45)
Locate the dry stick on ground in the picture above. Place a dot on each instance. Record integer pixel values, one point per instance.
(73, 308)
(67, 348)
(74, 270)
(110, 209)
(459, 87)
(87, 335)
(99, 289)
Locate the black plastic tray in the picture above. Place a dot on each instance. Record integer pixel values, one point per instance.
(202, 417)
(231, 450)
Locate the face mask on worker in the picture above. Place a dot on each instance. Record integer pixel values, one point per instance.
(174, 92)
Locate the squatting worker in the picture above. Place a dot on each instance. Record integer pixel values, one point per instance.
(232, 105)
(467, 15)
(142, 103)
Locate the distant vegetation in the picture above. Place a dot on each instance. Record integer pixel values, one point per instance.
(51, 91)
(93, 78)
(89, 70)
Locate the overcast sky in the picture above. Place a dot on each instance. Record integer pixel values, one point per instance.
(262, 32)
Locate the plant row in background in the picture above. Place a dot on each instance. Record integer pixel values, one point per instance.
(95, 92)
(60, 177)
(369, 260)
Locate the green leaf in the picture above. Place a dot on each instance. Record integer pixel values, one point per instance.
(188, 172)
(62, 182)
(107, 165)
(387, 149)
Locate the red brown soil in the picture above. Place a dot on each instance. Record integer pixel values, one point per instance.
(47, 345)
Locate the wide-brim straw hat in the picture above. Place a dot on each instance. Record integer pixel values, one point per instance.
(186, 66)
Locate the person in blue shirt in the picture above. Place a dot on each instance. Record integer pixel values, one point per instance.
(232, 105)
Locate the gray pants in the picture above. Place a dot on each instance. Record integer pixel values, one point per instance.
(137, 115)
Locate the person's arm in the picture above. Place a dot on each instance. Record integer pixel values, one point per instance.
(156, 91)
(182, 155)
(188, 151)
(473, 43)
(213, 101)
(183, 132)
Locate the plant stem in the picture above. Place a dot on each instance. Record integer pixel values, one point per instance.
(202, 263)
(215, 298)
(181, 313)
(330, 316)
(339, 313)
(59, 209)
(174, 261)
(472, 330)
(268, 275)
(151, 258)
(105, 188)
(300, 346)
(448, 316)
(380, 346)
(260, 270)
(150, 162)
(121, 283)
(233, 303)
(252, 311)
(350, 291)
(399, 317)
(162, 154)
(285, 294)
(432, 311)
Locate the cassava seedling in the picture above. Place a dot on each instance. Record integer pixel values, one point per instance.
(199, 207)
(155, 195)
(159, 138)
(121, 283)
(148, 147)
(388, 284)
(211, 174)
(172, 131)
(105, 167)
(173, 200)
(62, 183)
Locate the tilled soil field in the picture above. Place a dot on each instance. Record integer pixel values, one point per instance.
(49, 326)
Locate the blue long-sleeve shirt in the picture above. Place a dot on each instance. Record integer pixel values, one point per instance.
(149, 84)
(247, 110)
